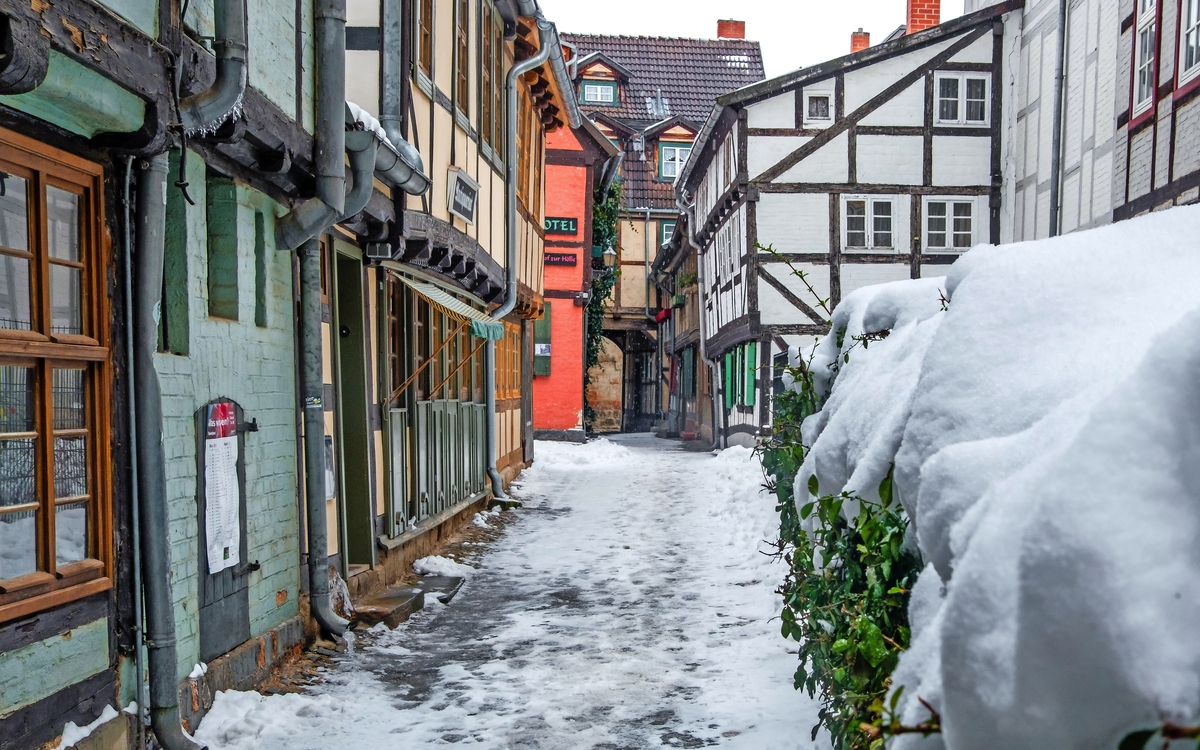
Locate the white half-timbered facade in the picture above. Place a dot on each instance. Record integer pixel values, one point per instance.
(882, 165)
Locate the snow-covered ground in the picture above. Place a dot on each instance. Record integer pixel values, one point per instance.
(630, 606)
(1044, 433)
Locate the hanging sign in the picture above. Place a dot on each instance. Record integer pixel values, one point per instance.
(222, 494)
(464, 195)
(560, 225)
(560, 259)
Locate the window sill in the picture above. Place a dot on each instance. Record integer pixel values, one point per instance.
(1187, 83)
(953, 124)
(54, 598)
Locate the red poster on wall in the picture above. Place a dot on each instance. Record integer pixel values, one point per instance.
(222, 516)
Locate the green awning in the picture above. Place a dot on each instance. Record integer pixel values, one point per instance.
(482, 325)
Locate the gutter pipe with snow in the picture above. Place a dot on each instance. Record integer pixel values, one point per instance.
(210, 108)
(512, 90)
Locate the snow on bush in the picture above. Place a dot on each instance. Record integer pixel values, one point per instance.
(1046, 441)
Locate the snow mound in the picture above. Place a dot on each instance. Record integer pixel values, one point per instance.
(1046, 447)
(74, 734)
(481, 518)
(436, 565)
(556, 456)
(242, 719)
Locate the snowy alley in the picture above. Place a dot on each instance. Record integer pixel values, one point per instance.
(627, 606)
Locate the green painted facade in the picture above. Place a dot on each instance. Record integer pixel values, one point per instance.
(254, 365)
(39, 670)
(141, 14)
(80, 100)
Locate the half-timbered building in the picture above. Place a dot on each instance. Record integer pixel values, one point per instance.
(650, 95)
(881, 165)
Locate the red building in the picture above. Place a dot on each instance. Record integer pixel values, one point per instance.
(577, 163)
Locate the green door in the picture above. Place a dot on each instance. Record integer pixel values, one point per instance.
(355, 438)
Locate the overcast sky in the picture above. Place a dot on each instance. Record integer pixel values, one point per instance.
(793, 33)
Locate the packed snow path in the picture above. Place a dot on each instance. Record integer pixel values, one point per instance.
(629, 606)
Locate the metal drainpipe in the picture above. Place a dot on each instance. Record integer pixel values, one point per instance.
(1056, 145)
(713, 369)
(151, 461)
(210, 108)
(312, 381)
(510, 259)
(131, 376)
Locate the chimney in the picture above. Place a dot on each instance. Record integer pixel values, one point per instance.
(922, 14)
(731, 29)
(859, 41)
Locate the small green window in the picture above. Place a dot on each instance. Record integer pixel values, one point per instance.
(541, 344)
(667, 231)
(728, 381)
(600, 92)
(671, 158)
(751, 380)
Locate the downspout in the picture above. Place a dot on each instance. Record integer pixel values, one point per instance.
(316, 214)
(151, 460)
(713, 369)
(1056, 145)
(510, 259)
(210, 108)
(139, 658)
(301, 226)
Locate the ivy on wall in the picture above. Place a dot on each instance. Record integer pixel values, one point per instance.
(605, 216)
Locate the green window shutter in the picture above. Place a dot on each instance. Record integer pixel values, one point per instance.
(728, 380)
(751, 373)
(541, 344)
(222, 218)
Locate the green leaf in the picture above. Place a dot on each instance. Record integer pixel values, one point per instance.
(1137, 740)
(807, 509)
(841, 645)
(895, 700)
(814, 487)
(885, 490)
(871, 644)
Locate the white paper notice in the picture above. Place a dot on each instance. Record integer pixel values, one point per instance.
(221, 492)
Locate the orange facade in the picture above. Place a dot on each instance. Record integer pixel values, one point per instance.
(558, 396)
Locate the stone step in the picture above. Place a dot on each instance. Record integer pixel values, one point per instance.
(442, 587)
(392, 607)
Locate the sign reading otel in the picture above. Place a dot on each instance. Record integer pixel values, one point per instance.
(463, 196)
(560, 225)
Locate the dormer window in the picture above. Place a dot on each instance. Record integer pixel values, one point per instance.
(599, 92)
(671, 158)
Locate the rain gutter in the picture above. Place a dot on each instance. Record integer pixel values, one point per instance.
(210, 108)
(1060, 35)
(545, 29)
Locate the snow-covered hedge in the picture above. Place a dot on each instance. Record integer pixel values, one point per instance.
(1044, 426)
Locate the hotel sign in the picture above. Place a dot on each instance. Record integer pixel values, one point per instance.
(560, 225)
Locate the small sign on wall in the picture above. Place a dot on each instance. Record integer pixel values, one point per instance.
(561, 225)
(560, 259)
(464, 195)
(222, 490)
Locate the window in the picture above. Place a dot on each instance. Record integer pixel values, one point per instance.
(463, 54)
(485, 76)
(949, 225)
(816, 107)
(962, 99)
(1189, 46)
(425, 37)
(53, 380)
(1145, 48)
(671, 158)
(599, 92)
(500, 138)
(867, 223)
(668, 231)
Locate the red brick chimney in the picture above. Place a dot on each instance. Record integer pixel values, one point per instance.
(922, 14)
(731, 29)
(859, 41)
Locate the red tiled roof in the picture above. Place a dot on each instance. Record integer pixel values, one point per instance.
(691, 73)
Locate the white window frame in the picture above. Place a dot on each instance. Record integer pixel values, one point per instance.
(950, 201)
(1189, 28)
(681, 154)
(962, 78)
(608, 87)
(1147, 21)
(869, 222)
(818, 122)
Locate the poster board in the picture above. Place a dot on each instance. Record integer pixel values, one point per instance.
(223, 487)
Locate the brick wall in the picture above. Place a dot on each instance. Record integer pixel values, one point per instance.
(922, 14)
(252, 365)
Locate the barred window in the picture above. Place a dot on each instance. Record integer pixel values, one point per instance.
(54, 429)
